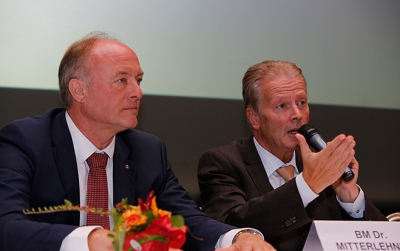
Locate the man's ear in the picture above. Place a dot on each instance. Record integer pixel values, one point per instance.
(253, 118)
(77, 88)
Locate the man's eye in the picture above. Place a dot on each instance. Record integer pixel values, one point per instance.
(138, 81)
(280, 106)
(122, 80)
(303, 102)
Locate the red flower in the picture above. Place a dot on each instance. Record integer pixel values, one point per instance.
(162, 226)
(152, 245)
(162, 229)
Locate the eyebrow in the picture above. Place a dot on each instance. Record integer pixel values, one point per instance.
(140, 74)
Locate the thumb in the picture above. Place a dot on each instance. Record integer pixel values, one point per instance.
(304, 148)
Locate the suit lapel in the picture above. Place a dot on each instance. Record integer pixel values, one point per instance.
(64, 155)
(124, 173)
(255, 167)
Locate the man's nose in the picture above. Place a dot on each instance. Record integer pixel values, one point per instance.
(135, 91)
(296, 113)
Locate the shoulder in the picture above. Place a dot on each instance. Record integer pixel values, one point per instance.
(39, 119)
(31, 137)
(134, 137)
(36, 124)
(240, 153)
(137, 134)
(234, 148)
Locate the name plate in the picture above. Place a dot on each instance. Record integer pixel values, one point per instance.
(353, 235)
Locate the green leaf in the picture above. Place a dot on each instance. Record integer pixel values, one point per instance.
(177, 221)
(152, 238)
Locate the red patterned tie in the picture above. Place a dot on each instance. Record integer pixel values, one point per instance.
(97, 190)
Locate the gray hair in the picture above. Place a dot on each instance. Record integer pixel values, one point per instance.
(75, 63)
(268, 69)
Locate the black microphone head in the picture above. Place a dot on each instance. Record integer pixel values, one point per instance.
(308, 131)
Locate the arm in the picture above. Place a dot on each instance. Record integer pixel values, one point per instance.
(17, 176)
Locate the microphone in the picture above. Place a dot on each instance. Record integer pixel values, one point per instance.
(315, 140)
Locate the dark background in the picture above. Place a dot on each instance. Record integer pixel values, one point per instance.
(189, 126)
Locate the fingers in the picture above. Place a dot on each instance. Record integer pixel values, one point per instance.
(327, 166)
(341, 151)
(98, 240)
(348, 192)
(354, 165)
(249, 242)
(305, 149)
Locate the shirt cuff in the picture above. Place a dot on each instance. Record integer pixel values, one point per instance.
(77, 240)
(306, 194)
(357, 208)
(225, 240)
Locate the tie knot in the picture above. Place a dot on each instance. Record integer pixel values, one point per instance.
(286, 172)
(97, 160)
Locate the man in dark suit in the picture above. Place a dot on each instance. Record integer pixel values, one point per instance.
(251, 182)
(45, 159)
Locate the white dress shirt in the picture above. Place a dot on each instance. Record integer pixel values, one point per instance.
(271, 163)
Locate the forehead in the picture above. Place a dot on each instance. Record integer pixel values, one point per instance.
(113, 53)
(283, 85)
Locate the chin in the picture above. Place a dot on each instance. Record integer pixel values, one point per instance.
(292, 145)
(130, 122)
(126, 126)
(133, 125)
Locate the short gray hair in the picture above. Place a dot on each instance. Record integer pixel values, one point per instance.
(75, 63)
(267, 69)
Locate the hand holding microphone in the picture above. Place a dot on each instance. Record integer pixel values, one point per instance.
(315, 140)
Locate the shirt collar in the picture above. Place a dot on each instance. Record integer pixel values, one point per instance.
(271, 162)
(82, 146)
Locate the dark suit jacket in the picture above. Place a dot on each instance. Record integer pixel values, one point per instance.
(38, 168)
(235, 190)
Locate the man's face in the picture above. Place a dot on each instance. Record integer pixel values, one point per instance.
(283, 109)
(113, 95)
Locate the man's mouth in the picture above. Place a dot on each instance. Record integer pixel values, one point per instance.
(294, 131)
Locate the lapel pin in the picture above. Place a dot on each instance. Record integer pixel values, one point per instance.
(127, 167)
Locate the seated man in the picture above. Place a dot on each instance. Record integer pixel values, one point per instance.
(49, 158)
(242, 184)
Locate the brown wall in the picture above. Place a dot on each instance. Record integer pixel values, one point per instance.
(189, 126)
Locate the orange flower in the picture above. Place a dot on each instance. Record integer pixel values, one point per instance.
(163, 212)
(154, 207)
(156, 211)
(133, 217)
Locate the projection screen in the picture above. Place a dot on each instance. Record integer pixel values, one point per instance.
(348, 50)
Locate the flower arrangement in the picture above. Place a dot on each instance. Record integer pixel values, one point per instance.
(144, 227)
